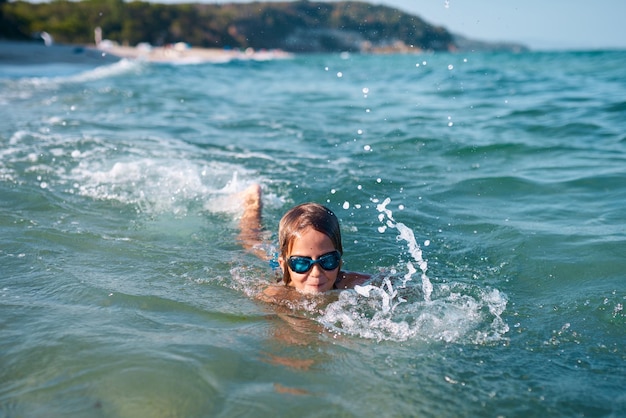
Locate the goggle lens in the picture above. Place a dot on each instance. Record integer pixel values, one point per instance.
(301, 265)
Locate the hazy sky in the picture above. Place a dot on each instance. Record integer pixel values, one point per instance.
(540, 24)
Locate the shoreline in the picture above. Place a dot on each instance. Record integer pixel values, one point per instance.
(34, 53)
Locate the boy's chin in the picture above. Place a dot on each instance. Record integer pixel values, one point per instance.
(314, 290)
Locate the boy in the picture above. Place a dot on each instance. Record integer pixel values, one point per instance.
(310, 249)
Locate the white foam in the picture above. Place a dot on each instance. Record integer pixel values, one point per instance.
(115, 69)
(460, 314)
(157, 176)
(157, 185)
(121, 67)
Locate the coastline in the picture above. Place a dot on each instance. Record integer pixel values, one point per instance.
(33, 53)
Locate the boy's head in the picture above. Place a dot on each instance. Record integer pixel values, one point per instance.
(298, 219)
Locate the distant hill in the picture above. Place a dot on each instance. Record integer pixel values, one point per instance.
(300, 26)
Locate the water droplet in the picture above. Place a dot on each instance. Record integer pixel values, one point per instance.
(450, 67)
(365, 90)
(367, 148)
(346, 205)
(339, 74)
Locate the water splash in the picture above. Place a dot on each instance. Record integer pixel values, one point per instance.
(459, 313)
(394, 308)
(407, 235)
(153, 186)
(387, 296)
(165, 177)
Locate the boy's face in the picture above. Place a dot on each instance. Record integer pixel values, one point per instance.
(312, 244)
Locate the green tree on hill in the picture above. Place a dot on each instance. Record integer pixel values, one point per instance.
(296, 26)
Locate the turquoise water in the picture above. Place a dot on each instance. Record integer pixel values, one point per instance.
(486, 192)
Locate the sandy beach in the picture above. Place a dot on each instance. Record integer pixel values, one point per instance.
(183, 54)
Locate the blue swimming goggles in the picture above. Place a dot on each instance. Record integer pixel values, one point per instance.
(301, 265)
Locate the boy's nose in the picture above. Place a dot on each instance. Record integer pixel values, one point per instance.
(317, 269)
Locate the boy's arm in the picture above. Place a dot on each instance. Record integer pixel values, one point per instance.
(250, 224)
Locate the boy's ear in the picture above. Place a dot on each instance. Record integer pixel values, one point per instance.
(282, 263)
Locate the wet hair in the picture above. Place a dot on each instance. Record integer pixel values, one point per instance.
(300, 217)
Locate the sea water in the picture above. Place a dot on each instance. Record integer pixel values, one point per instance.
(485, 192)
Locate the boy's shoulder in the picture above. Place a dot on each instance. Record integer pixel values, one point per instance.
(349, 279)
